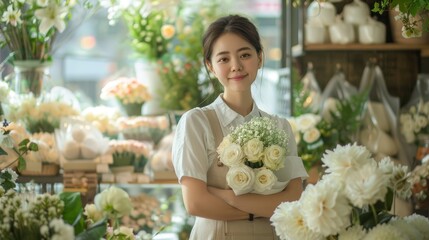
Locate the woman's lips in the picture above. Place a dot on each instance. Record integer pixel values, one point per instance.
(239, 77)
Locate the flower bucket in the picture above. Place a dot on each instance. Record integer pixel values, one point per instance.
(132, 109)
(147, 73)
(29, 76)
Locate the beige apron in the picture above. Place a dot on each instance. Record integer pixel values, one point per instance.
(208, 229)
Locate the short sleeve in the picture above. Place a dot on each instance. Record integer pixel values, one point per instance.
(191, 146)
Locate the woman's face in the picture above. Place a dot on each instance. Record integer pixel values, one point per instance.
(234, 62)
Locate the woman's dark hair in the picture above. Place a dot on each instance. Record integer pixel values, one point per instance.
(230, 24)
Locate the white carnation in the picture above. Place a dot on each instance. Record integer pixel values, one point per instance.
(403, 226)
(240, 179)
(419, 222)
(232, 155)
(366, 185)
(355, 232)
(325, 209)
(264, 180)
(345, 158)
(384, 231)
(290, 224)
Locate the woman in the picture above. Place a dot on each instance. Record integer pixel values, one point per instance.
(233, 53)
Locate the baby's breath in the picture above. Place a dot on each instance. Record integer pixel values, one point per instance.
(263, 128)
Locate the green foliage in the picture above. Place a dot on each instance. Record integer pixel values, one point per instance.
(185, 84)
(348, 117)
(145, 33)
(298, 99)
(409, 9)
(311, 153)
(73, 210)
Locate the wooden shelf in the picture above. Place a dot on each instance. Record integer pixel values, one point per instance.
(423, 48)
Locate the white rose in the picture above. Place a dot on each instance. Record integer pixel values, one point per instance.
(240, 179)
(253, 150)
(113, 202)
(226, 141)
(311, 135)
(232, 155)
(307, 121)
(264, 180)
(273, 157)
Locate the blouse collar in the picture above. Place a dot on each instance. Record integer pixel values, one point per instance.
(226, 115)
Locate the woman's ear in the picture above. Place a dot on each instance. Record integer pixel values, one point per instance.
(209, 66)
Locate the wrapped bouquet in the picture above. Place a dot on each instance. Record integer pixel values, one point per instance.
(253, 152)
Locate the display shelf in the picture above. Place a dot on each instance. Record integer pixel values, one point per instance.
(422, 48)
(45, 182)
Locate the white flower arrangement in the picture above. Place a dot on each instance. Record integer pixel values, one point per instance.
(253, 152)
(47, 149)
(104, 118)
(313, 135)
(32, 217)
(415, 121)
(352, 201)
(4, 91)
(30, 28)
(42, 114)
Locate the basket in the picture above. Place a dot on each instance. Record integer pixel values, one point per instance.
(48, 169)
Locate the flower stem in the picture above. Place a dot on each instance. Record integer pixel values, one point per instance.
(374, 212)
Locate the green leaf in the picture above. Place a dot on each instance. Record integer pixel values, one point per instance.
(367, 220)
(2, 151)
(22, 164)
(8, 185)
(96, 231)
(33, 147)
(73, 210)
(384, 217)
(24, 142)
(389, 199)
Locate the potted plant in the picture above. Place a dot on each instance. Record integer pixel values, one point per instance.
(412, 14)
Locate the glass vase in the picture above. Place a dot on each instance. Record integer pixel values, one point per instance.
(29, 75)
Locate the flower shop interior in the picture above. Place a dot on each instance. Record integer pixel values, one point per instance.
(91, 92)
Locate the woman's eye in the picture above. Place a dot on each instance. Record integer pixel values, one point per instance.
(221, 60)
(245, 55)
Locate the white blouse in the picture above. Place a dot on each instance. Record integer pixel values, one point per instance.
(194, 147)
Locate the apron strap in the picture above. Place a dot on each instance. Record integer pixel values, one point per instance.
(214, 125)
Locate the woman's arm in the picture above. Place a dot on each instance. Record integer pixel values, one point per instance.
(200, 202)
(261, 205)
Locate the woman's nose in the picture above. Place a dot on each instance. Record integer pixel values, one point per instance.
(236, 65)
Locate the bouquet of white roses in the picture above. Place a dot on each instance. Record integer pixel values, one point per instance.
(253, 152)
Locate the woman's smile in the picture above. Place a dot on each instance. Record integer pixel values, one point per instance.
(238, 77)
